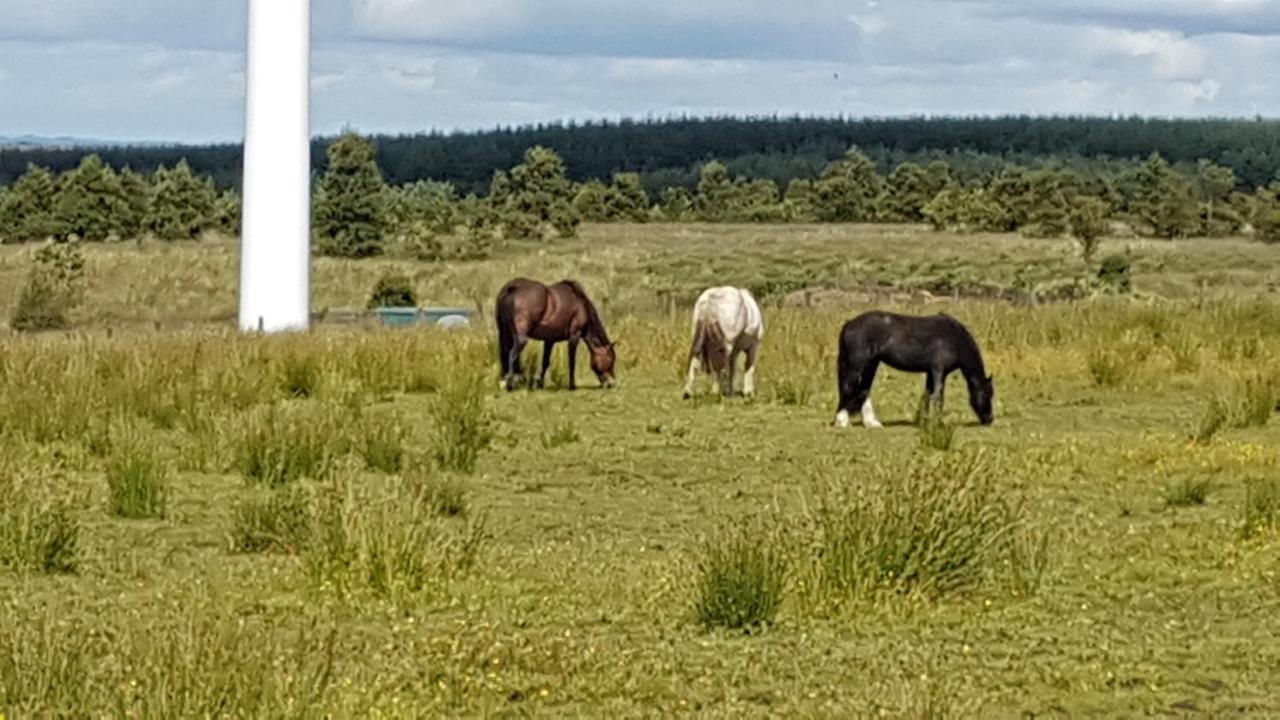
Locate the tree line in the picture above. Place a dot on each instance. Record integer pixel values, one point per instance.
(670, 153)
(358, 213)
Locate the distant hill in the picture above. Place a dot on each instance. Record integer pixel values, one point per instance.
(668, 152)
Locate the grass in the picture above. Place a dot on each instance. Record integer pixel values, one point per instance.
(1000, 578)
(742, 575)
(137, 477)
(1188, 492)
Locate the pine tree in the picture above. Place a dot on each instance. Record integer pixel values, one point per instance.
(627, 199)
(848, 190)
(91, 203)
(181, 205)
(1088, 222)
(137, 203)
(534, 195)
(907, 191)
(27, 215)
(719, 198)
(350, 205)
(1161, 199)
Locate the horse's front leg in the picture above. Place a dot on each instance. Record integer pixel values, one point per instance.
(547, 347)
(694, 366)
(937, 385)
(573, 364)
(749, 377)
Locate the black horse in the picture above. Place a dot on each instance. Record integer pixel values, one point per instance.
(936, 345)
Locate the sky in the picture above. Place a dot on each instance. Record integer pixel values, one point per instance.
(166, 70)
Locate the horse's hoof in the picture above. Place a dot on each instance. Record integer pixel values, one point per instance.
(842, 419)
(687, 395)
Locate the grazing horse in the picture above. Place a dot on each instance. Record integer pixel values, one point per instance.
(726, 322)
(936, 345)
(527, 309)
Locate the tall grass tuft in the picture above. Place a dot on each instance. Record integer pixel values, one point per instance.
(463, 424)
(385, 539)
(1211, 421)
(1110, 367)
(38, 533)
(1188, 492)
(444, 494)
(271, 520)
(1261, 506)
(380, 442)
(742, 574)
(933, 430)
(301, 374)
(278, 444)
(939, 526)
(564, 433)
(1253, 401)
(137, 477)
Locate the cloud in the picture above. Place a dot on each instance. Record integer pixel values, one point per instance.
(153, 69)
(1190, 17)
(795, 29)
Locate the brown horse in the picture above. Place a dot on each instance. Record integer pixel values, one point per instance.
(528, 310)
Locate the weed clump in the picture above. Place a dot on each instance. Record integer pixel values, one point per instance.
(741, 578)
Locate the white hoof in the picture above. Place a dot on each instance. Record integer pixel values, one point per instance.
(842, 419)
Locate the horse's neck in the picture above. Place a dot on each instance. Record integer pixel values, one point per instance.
(594, 333)
(971, 364)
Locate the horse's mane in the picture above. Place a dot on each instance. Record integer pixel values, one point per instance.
(594, 324)
(967, 340)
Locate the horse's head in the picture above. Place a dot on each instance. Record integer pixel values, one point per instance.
(982, 395)
(603, 358)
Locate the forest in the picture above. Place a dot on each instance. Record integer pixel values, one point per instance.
(669, 152)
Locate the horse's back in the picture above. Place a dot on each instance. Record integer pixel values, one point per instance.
(733, 309)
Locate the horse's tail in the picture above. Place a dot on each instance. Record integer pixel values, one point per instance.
(504, 314)
(709, 346)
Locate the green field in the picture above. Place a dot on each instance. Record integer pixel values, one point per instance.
(319, 546)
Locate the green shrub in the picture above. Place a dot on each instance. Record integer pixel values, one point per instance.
(1114, 273)
(742, 574)
(54, 288)
(393, 291)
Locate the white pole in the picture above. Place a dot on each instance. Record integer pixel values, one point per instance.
(275, 249)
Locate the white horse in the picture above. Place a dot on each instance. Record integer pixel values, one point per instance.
(726, 321)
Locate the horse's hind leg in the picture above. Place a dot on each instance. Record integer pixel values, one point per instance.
(513, 360)
(749, 377)
(547, 347)
(730, 372)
